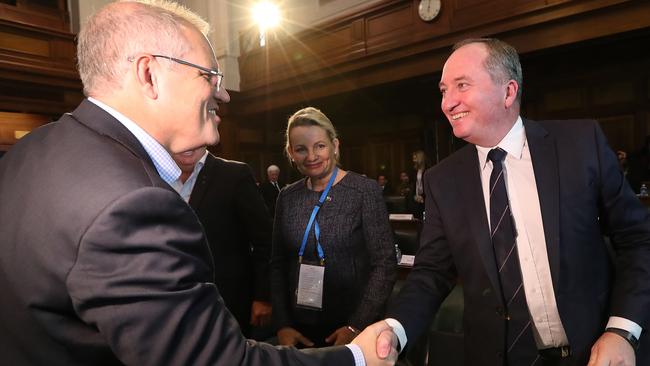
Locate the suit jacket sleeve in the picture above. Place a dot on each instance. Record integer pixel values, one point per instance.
(432, 276)
(625, 221)
(139, 279)
(254, 214)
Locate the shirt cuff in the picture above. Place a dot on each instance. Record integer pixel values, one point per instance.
(399, 331)
(625, 324)
(357, 354)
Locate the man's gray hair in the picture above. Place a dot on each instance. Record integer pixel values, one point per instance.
(124, 29)
(502, 62)
(272, 168)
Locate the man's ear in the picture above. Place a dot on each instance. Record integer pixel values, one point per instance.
(511, 93)
(145, 74)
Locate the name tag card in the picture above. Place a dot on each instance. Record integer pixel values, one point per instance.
(310, 286)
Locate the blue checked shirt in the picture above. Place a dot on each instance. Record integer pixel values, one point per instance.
(165, 165)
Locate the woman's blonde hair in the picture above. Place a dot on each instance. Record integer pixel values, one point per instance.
(311, 116)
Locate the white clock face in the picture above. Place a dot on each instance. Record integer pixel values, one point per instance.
(428, 9)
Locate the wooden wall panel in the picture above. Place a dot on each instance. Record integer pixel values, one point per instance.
(32, 13)
(15, 42)
(469, 13)
(14, 126)
(38, 76)
(396, 45)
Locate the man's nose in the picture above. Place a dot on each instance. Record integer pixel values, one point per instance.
(222, 95)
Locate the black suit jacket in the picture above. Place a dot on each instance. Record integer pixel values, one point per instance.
(270, 195)
(103, 263)
(582, 195)
(238, 228)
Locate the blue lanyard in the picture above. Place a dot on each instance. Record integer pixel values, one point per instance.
(312, 220)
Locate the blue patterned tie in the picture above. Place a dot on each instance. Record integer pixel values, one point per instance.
(520, 344)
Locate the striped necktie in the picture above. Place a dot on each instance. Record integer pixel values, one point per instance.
(520, 344)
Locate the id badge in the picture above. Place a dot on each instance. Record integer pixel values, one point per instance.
(310, 286)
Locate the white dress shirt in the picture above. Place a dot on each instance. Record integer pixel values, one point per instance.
(185, 189)
(531, 243)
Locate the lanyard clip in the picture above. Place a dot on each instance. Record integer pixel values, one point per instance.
(300, 259)
(322, 261)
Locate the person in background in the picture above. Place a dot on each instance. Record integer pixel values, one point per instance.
(271, 188)
(237, 225)
(384, 185)
(333, 262)
(519, 216)
(622, 161)
(103, 263)
(404, 187)
(639, 166)
(415, 202)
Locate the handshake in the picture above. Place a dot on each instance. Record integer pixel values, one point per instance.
(378, 344)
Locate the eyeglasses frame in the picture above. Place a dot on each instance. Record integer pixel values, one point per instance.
(213, 72)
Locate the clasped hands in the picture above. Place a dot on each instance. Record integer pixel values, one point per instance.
(377, 342)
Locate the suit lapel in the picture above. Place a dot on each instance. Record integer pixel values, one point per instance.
(97, 119)
(471, 192)
(544, 157)
(201, 184)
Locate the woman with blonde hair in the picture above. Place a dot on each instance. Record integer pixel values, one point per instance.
(333, 263)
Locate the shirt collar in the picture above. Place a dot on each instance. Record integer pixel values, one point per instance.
(162, 161)
(199, 164)
(513, 143)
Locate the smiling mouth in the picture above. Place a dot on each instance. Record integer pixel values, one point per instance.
(459, 115)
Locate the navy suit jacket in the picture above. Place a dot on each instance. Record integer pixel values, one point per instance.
(583, 196)
(238, 227)
(104, 264)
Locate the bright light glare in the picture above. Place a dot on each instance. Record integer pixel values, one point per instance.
(266, 15)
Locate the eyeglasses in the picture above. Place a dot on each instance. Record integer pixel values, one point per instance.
(214, 75)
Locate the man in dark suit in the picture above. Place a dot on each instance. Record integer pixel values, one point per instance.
(518, 217)
(386, 189)
(102, 262)
(224, 196)
(271, 188)
(415, 199)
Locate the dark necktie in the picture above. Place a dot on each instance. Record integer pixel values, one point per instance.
(275, 184)
(520, 344)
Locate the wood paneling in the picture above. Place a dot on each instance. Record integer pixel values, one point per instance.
(469, 13)
(48, 14)
(38, 76)
(336, 57)
(14, 126)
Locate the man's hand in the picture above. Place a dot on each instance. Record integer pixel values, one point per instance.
(341, 336)
(378, 344)
(260, 313)
(612, 349)
(288, 336)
